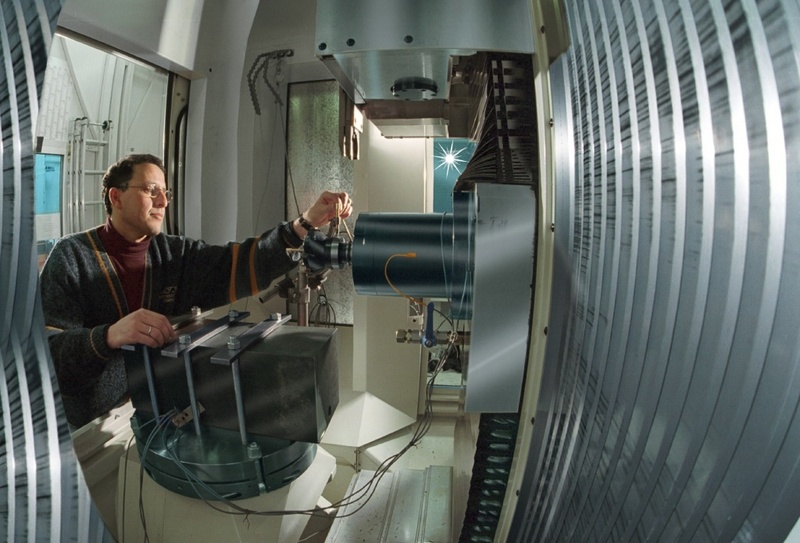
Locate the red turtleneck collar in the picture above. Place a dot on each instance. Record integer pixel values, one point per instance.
(129, 259)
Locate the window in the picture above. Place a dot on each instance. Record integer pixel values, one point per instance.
(96, 107)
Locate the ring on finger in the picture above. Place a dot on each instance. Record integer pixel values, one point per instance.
(149, 329)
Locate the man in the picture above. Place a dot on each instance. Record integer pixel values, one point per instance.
(115, 284)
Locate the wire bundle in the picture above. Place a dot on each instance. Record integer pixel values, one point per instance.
(359, 497)
(322, 312)
(260, 67)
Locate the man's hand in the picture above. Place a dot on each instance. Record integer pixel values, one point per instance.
(329, 206)
(142, 326)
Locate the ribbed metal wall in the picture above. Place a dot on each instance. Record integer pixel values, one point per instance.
(42, 495)
(672, 376)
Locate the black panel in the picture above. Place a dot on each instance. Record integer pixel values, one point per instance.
(289, 382)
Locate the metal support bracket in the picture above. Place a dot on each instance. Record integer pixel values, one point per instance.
(230, 356)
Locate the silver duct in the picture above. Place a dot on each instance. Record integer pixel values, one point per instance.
(672, 376)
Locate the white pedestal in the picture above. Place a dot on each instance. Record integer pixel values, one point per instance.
(174, 518)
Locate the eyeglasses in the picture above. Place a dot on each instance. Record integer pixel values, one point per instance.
(153, 190)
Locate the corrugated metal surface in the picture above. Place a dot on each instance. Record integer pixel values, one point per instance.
(404, 506)
(671, 380)
(40, 482)
(316, 164)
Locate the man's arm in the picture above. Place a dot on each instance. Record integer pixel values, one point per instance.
(79, 351)
(213, 275)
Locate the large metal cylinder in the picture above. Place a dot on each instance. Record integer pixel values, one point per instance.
(669, 395)
(421, 255)
(412, 251)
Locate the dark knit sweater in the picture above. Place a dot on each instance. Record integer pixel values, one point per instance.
(82, 296)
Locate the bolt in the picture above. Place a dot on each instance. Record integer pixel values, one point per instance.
(232, 314)
(552, 227)
(233, 343)
(253, 451)
(323, 46)
(552, 122)
(408, 39)
(350, 42)
(185, 339)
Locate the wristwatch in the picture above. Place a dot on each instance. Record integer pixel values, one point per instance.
(307, 226)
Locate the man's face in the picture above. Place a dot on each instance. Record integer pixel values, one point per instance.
(134, 213)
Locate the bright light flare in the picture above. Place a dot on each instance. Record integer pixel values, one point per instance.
(449, 158)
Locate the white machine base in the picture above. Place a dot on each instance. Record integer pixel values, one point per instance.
(170, 517)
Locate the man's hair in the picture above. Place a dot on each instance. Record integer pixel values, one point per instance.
(118, 175)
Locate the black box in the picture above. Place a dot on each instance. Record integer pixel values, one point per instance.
(290, 383)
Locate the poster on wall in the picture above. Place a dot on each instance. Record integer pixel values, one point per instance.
(47, 202)
(450, 157)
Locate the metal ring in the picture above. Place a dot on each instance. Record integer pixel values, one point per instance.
(149, 329)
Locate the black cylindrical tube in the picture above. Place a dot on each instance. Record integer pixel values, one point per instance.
(325, 253)
(417, 247)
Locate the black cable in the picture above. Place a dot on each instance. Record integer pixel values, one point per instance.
(161, 424)
(121, 529)
(288, 164)
(333, 313)
(256, 69)
(269, 167)
(326, 304)
(447, 319)
(365, 492)
(179, 184)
